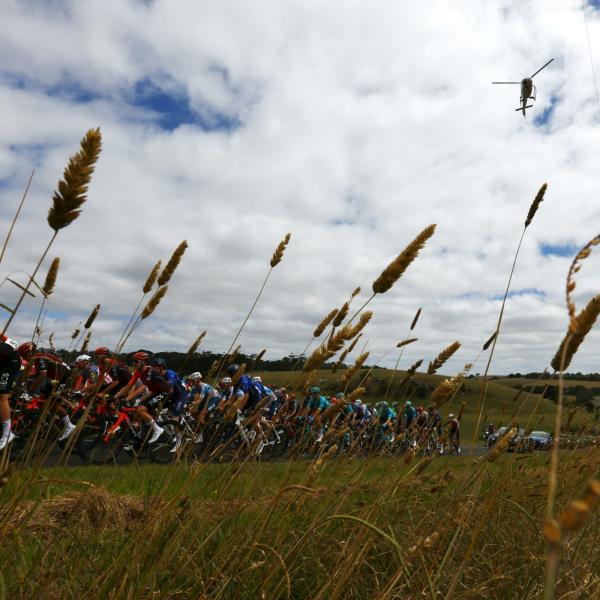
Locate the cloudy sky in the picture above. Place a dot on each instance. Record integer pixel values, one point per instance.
(351, 125)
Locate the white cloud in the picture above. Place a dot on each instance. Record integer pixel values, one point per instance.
(360, 125)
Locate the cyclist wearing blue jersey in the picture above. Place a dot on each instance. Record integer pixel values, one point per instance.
(386, 415)
(246, 393)
(273, 402)
(408, 416)
(203, 397)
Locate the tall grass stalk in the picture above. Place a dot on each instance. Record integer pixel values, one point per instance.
(12, 225)
(484, 384)
(67, 200)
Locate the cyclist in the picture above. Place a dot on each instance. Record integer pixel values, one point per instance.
(141, 371)
(43, 371)
(316, 405)
(386, 416)
(408, 415)
(248, 394)
(361, 413)
(159, 385)
(453, 429)
(10, 365)
(113, 373)
(85, 374)
(203, 397)
(434, 420)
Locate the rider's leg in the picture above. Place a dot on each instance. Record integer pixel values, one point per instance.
(143, 416)
(68, 426)
(5, 418)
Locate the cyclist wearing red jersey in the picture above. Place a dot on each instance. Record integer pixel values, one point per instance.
(42, 371)
(135, 386)
(113, 373)
(10, 365)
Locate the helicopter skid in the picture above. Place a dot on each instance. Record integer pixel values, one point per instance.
(521, 108)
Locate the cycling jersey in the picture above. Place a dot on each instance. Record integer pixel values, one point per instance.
(38, 374)
(10, 365)
(386, 413)
(321, 403)
(453, 426)
(244, 386)
(410, 412)
(361, 412)
(208, 396)
(85, 378)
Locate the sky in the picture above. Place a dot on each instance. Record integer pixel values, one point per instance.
(230, 124)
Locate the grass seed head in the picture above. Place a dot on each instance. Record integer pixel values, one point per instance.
(415, 319)
(490, 340)
(51, 276)
(195, 345)
(406, 342)
(152, 277)
(237, 375)
(92, 317)
(360, 361)
(173, 263)
(535, 204)
(442, 357)
(279, 251)
(396, 268)
(154, 301)
(341, 314)
(584, 322)
(72, 189)
(321, 326)
(354, 342)
(86, 342)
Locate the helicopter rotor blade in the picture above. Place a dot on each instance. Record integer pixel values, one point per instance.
(506, 82)
(541, 68)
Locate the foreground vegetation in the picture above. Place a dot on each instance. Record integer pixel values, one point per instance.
(335, 528)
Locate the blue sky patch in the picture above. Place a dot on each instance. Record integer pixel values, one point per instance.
(546, 115)
(523, 292)
(170, 104)
(558, 249)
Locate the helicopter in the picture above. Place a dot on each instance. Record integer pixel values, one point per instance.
(528, 90)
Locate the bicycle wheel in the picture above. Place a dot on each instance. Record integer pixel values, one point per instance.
(277, 443)
(161, 451)
(95, 447)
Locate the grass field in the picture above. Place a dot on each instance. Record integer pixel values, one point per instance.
(332, 529)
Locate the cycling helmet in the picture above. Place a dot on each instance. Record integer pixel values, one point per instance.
(226, 381)
(257, 379)
(450, 416)
(141, 356)
(233, 369)
(195, 375)
(340, 395)
(102, 351)
(359, 402)
(384, 404)
(158, 362)
(26, 349)
(419, 409)
(408, 403)
(83, 358)
(315, 390)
